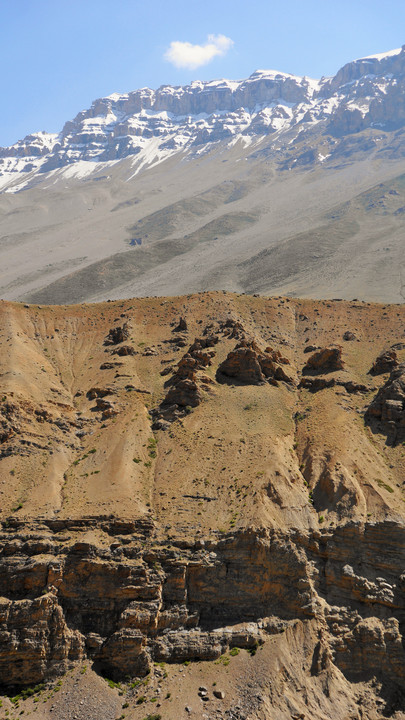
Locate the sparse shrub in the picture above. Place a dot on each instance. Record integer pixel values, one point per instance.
(113, 684)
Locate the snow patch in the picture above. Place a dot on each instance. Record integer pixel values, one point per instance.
(382, 56)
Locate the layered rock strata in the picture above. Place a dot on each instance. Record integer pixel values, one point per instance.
(128, 605)
(388, 407)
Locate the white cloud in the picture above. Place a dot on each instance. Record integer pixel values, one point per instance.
(187, 55)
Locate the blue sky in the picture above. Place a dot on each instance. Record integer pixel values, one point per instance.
(57, 56)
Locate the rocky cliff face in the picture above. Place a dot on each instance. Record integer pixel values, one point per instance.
(152, 125)
(137, 601)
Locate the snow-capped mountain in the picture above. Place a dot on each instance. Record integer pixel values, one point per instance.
(275, 184)
(152, 125)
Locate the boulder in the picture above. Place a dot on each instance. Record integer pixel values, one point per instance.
(126, 350)
(384, 363)
(249, 365)
(325, 360)
(348, 336)
(219, 694)
(103, 404)
(184, 393)
(242, 364)
(97, 392)
(117, 335)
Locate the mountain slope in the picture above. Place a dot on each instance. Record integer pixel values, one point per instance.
(196, 182)
(183, 476)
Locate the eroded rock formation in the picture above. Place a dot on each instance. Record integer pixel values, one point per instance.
(126, 606)
(187, 383)
(384, 363)
(250, 365)
(388, 407)
(324, 361)
(118, 334)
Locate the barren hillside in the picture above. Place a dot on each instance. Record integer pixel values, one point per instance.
(184, 476)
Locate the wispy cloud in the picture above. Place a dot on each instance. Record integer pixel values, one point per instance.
(187, 55)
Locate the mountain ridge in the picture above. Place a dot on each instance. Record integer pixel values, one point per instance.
(121, 124)
(132, 199)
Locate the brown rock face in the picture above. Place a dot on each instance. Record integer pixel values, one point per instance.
(249, 365)
(140, 601)
(117, 335)
(35, 641)
(126, 350)
(326, 360)
(388, 407)
(384, 363)
(9, 421)
(320, 383)
(242, 364)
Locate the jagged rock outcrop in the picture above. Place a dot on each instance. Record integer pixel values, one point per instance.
(388, 407)
(181, 325)
(125, 350)
(250, 365)
(384, 363)
(118, 334)
(187, 383)
(9, 423)
(325, 360)
(320, 383)
(233, 329)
